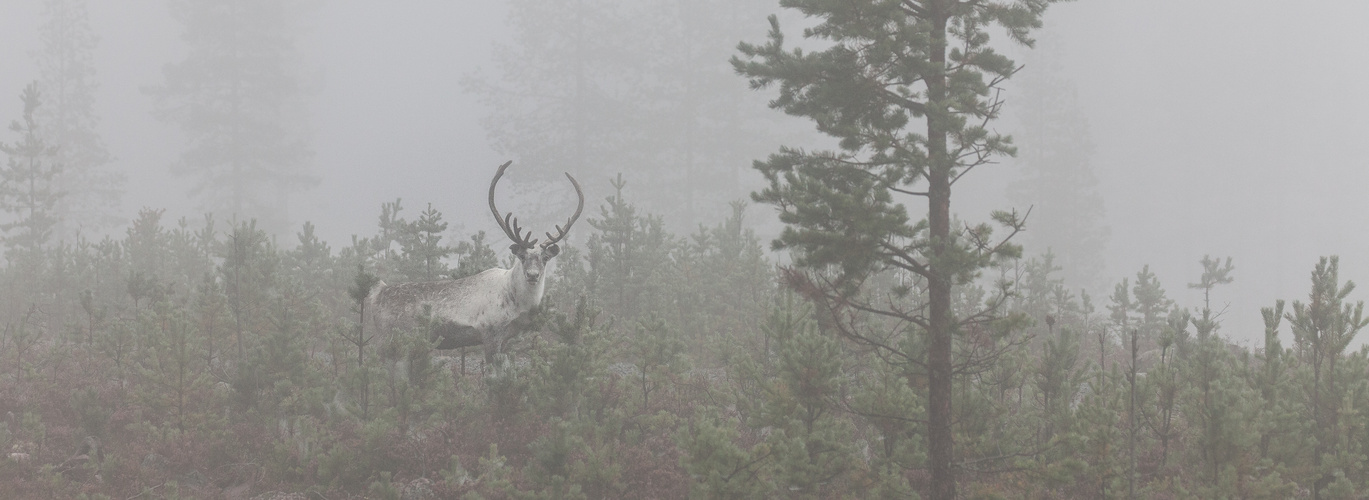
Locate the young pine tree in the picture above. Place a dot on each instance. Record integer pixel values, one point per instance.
(248, 273)
(1151, 305)
(421, 247)
(1323, 328)
(173, 375)
(475, 256)
(1214, 273)
(359, 337)
(629, 259)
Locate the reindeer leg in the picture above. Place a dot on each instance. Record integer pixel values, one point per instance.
(493, 350)
(496, 340)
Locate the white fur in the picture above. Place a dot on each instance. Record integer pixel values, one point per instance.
(476, 309)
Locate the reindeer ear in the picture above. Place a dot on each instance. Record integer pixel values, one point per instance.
(518, 250)
(551, 250)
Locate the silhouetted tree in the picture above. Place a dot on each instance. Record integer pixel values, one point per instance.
(1057, 178)
(238, 98)
(28, 190)
(642, 87)
(66, 62)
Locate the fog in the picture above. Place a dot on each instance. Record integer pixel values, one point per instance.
(1224, 127)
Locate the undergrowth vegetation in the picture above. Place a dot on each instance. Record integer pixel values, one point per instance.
(190, 359)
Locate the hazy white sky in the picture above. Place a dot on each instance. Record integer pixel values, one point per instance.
(1226, 127)
(390, 118)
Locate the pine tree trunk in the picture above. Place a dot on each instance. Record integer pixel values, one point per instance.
(940, 444)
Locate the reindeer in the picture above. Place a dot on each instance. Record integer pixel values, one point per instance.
(482, 309)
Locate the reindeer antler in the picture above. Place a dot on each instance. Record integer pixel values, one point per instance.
(508, 223)
(561, 231)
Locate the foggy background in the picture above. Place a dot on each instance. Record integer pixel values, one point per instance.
(1224, 127)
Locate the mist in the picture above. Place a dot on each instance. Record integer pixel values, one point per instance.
(1222, 128)
(1147, 135)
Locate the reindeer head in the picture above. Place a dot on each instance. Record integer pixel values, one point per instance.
(532, 258)
(532, 261)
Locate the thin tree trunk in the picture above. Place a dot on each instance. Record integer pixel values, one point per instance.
(1316, 417)
(1131, 423)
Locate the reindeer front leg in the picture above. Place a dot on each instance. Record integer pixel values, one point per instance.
(493, 339)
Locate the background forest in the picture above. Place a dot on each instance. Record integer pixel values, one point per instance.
(869, 346)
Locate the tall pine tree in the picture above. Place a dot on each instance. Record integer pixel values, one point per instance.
(1057, 178)
(238, 98)
(640, 87)
(908, 88)
(66, 65)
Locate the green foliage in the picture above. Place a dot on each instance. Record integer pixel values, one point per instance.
(421, 249)
(1057, 380)
(569, 370)
(171, 366)
(91, 412)
(908, 92)
(1151, 305)
(713, 385)
(1214, 273)
(384, 489)
(1218, 399)
(629, 258)
(721, 468)
(1323, 328)
(248, 275)
(476, 256)
(726, 281)
(812, 448)
(657, 352)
